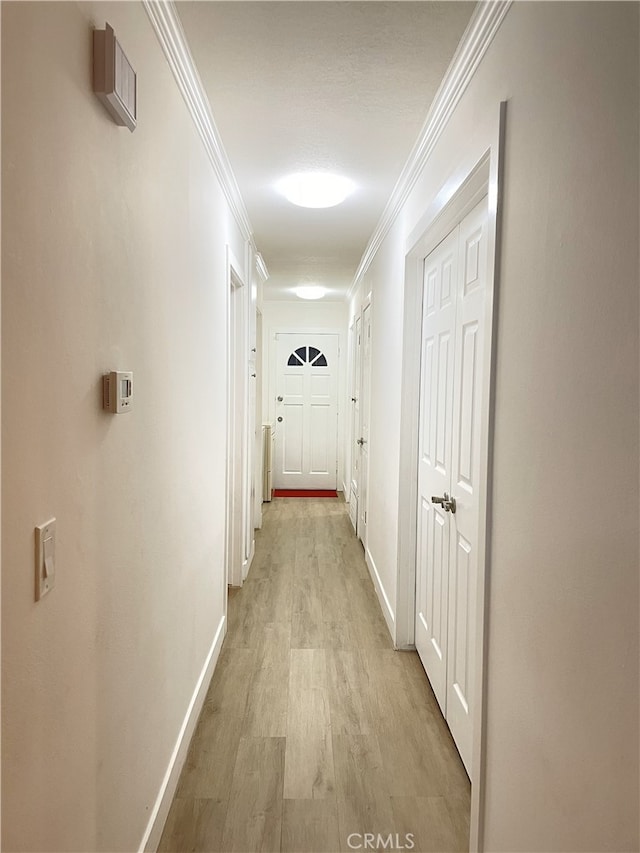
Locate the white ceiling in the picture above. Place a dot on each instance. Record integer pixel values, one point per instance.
(304, 86)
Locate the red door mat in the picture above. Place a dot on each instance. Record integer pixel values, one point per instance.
(304, 493)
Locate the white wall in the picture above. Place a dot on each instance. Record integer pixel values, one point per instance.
(280, 315)
(562, 695)
(114, 257)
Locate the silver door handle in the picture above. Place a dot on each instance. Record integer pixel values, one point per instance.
(280, 399)
(448, 504)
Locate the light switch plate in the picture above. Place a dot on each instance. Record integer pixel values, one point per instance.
(45, 552)
(117, 391)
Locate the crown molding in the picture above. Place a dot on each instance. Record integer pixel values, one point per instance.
(479, 34)
(168, 28)
(482, 27)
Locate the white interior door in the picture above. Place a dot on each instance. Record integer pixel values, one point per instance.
(449, 462)
(249, 461)
(306, 411)
(362, 441)
(434, 460)
(465, 474)
(355, 422)
(237, 369)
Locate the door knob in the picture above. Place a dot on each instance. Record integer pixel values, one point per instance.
(353, 399)
(280, 399)
(280, 420)
(448, 504)
(361, 441)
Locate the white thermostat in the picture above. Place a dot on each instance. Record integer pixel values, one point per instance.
(117, 391)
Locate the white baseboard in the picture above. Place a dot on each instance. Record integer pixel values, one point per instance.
(153, 832)
(385, 604)
(246, 565)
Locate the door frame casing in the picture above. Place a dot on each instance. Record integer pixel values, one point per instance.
(236, 426)
(481, 177)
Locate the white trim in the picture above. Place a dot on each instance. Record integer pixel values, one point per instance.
(478, 776)
(168, 28)
(235, 282)
(158, 817)
(479, 34)
(248, 424)
(383, 598)
(246, 564)
(465, 189)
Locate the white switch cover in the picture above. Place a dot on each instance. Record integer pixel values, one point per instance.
(45, 558)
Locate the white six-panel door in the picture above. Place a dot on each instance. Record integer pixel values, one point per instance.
(465, 473)
(434, 460)
(306, 428)
(449, 461)
(355, 423)
(363, 439)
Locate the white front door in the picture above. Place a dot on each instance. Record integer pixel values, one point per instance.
(306, 428)
(449, 462)
(363, 439)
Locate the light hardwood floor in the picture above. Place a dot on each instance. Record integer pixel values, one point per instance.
(314, 728)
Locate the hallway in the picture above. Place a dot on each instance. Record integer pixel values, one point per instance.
(314, 728)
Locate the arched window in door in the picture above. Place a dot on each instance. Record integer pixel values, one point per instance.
(307, 355)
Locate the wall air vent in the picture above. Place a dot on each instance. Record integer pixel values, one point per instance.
(114, 80)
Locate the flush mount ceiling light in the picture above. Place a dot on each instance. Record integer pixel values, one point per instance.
(315, 189)
(310, 291)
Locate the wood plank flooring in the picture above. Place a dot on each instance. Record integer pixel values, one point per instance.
(314, 728)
